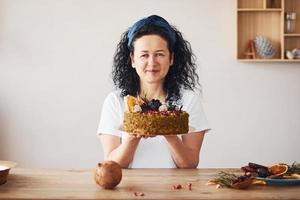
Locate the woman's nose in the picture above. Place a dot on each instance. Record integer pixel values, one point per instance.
(152, 60)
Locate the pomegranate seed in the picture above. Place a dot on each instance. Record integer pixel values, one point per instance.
(137, 194)
(177, 187)
(190, 186)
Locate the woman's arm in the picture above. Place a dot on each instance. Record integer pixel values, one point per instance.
(185, 153)
(123, 152)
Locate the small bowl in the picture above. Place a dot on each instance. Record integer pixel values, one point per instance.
(5, 166)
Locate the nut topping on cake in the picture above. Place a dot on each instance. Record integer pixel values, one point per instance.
(137, 108)
(163, 107)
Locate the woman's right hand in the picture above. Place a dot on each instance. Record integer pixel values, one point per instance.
(138, 136)
(133, 137)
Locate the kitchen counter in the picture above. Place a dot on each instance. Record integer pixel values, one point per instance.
(153, 183)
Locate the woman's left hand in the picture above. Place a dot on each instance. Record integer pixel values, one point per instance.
(170, 136)
(141, 136)
(185, 150)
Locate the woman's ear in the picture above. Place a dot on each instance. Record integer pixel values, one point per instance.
(171, 59)
(132, 60)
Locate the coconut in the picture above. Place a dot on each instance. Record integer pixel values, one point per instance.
(108, 174)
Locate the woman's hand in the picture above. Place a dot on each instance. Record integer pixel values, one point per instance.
(185, 151)
(170, 137)
(132, 136)
(121, 152)
(138, 136)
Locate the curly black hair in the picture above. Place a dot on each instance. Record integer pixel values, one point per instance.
(182, 74)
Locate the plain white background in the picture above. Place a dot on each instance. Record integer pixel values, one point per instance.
(55, 65)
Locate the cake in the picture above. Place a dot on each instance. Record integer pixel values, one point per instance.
(148, 118)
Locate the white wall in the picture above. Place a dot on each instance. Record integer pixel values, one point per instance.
(55, 64)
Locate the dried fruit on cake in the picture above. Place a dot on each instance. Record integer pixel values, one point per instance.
(130, 102)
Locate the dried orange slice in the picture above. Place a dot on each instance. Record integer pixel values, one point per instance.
(131, 101)
(278, 169)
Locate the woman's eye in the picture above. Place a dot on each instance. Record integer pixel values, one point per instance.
(160, 54)
(144, 55)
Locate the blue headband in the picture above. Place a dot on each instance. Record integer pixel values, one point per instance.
(153, 20)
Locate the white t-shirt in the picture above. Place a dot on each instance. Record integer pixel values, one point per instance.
(151, 152)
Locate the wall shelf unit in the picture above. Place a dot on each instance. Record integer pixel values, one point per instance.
(267, 18)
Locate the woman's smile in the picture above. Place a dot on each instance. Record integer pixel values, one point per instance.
(152, 71)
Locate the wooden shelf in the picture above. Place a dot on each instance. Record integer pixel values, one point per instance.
(268, 60)
(259, 4)
(259, 9)
(292, 34)
(266, 18)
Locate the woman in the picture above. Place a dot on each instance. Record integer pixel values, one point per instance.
(152, 58)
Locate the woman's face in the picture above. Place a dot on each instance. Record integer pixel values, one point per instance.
(151, 59)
